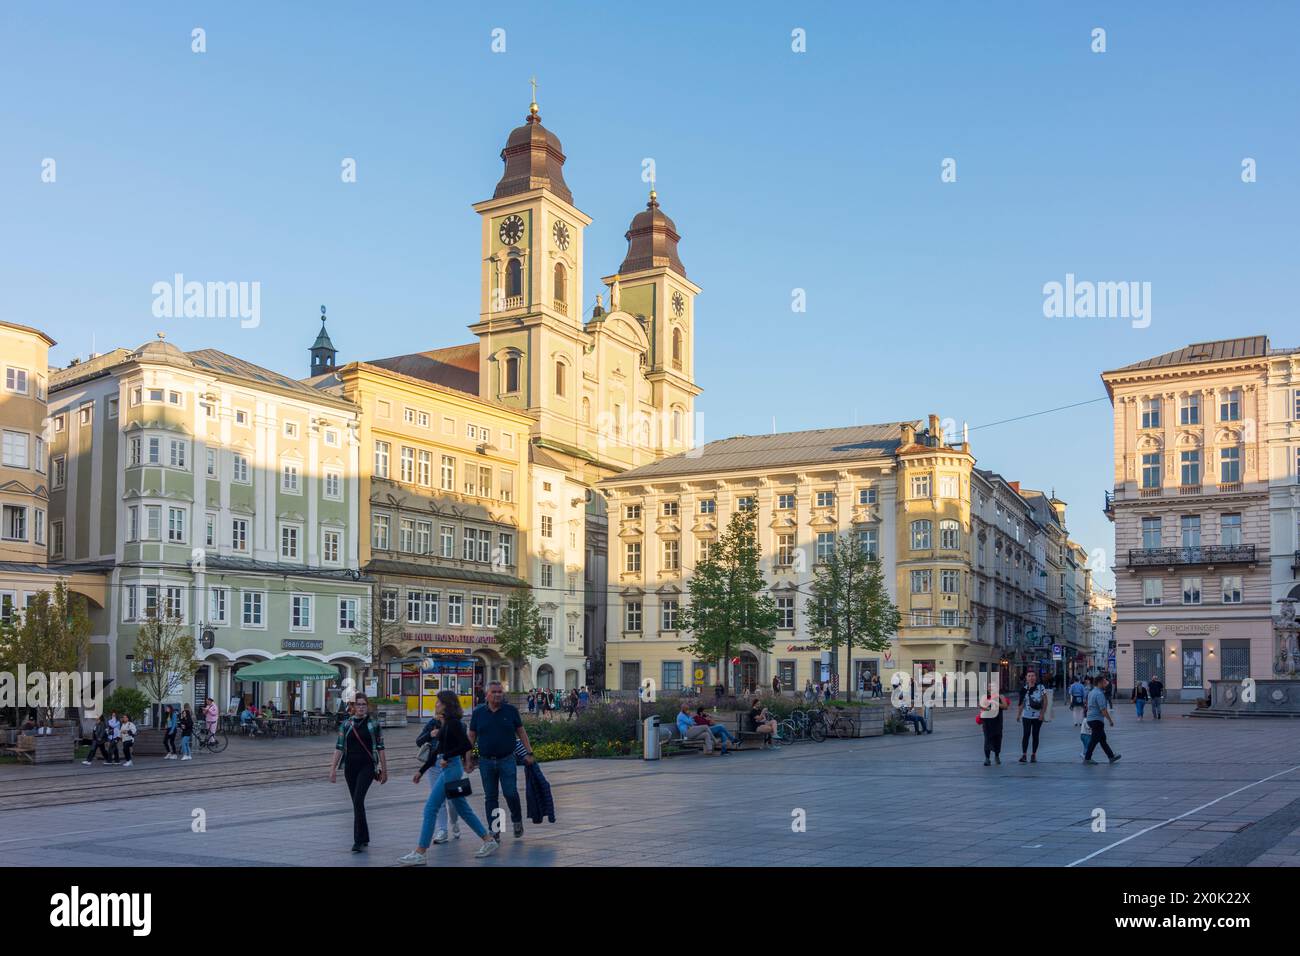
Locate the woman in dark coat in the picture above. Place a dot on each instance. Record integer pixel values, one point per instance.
(990, 719)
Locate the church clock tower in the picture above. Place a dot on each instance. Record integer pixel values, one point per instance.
(530, 322)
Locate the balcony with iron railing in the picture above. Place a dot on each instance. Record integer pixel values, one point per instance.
(1210, 554)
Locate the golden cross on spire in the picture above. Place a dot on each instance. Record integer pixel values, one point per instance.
(532, 107)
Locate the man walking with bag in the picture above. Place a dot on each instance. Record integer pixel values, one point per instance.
(1098, 717)
(493, 728)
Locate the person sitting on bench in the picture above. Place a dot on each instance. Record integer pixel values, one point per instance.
(912, 717)
(764, 722)
(722, 733)
(690, 730)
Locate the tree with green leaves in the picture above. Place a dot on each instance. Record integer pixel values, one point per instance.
(51, 636)
(850, 604)
(729, 603)
(163, 652)
(520, 636)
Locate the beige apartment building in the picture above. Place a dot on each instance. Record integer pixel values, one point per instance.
(27, 526)
(1191, 512)
(1282, 435)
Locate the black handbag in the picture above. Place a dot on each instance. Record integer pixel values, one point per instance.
(457, 788)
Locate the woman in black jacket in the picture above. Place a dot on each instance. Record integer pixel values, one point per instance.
(448, 749)
(186, 724)
(98, 741)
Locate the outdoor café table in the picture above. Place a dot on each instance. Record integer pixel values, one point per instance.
(275, 725)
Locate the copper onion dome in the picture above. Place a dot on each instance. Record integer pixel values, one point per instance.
(534, 160)
(652, 241)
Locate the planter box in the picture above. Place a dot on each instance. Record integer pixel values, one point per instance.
(48, 748)
(868, 718)
(391, 715)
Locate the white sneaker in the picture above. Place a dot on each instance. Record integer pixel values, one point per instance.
(127, 764)
(412, 859)
(187, 757)
(455, 829)
(87, 763)
(487, 849)
(440, 836)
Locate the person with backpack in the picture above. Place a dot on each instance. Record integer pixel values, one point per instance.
(1078, 700)
(128, 732)
(185, 723)
(447, 750)
(99, 737)
(170, 723)
(1156, 692)
(360, 749)
(1032, 703)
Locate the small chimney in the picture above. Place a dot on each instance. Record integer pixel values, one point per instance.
(909, 433)
(936, 436)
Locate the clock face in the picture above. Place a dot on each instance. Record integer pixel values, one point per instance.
(512, 230)
(561, 233)
(679, 304)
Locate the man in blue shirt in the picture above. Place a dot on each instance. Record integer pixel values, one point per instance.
(1098, 716)
(493, 728)
(690, 730)
(1078, 700)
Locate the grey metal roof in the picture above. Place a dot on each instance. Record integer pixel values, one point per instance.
(411, 569)
(1253, 346)
(249, 566)
(820, 446)
(455, 367)
(223, 363)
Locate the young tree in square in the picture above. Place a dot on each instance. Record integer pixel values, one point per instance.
(164, 655)
(730, 604)
(520, 636)
(850, 603)
(50, 636)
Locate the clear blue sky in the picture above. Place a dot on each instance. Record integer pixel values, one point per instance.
(817, 171)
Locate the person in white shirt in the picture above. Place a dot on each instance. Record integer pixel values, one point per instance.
(114, 737)
(128, 732)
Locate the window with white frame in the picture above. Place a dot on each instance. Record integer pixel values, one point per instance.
(785, 550)
(447, 540)
(407, 473)
(1153, 592)
(921, 534)
(176, 525)
(948, 486)
(1231, 590)
(15, 449)
(289, 477)
(548, 526)
(920, 486)
(632, 512)
(632, 557)
(290, 429)
(950, 582)
(239, 470)
(1230, 406)
(868, 543)
(455, 610)
(218, 606)
(211, 455)
(381, 459)
(347, 614)
(423, 536)
(785, 613)
(424, 468)
(1150, 413)
(388, 605)
(241, 417)
(174, 604)
(380, 526)
(672, 554)
(825, 546)
(253, 603)
(13, 526)
(16, 380)
(133, 523)
(447, 473)
(239, 534)
(153, 522)
(406, 535)
(708, 506)
(333, 485)
(632, 616)
(949, 535)
(38, 461)
(331, 546)
(300, 612)
(289, 541)
(210, 530)
(1189, 410)
(548, 574)
(1191, 590)
(507, 489)
(477, 609)
(38, 525)
(493, 612)
(921, 582)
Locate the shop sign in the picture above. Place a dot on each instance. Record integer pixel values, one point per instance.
(301, 644)
(433, 651)
(795, 648)
(482, 639)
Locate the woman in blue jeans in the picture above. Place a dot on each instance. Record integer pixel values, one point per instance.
(451, 746)
(448, 809)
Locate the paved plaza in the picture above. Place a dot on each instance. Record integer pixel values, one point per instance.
(1231, 789)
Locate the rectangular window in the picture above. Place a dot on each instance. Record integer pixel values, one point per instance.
(745, 503)
(240, 470)
(632, 616)
(15, 449)
(548, 574)
(670, 509)
(38, 460)
(921, 582)
(1190, 526)
(154, 454)
(38, 526)
(1230, 529)
(1153, 592)
(56, 538)
(431, 607)
(785, 550)
(176, 524)
(493, 612)
(632, 557)
(1231, 591)
(16, 380)
(1229, 465)
(708, 506)
(477, 607)
(241, 417)
(300, 612)
(1190, 463)
(1189, 410)
(950, 582)
(868, 544)
(703, 550)
(1230, 406)
(150, 601)
(406, 535)
(1150, 533)
(950, 535)
(1150, 413)
(407, 474)
(785, 613)
(381, 459)
(347, 614)
(632, 512)
(239, 534)
(153, 522)
(133, 523)
(921, 535)
(948, 486)
(218, 601)
(58, 467)
(920, 486)
(506, 548)
(1191, 590)
(867, 496)
(825, 545)
(423, 537)
(210, 531)
(507, 490)
(14, 526)
(331, 546)
(547, 526)
(252, 609)
(455, 610)
(289, 542)
(668, 615)
(388, 605)
(1151, 470)
(290, 429)
(671, 675)
(785, 502)
(447, 540)
(211, 455)
(825, 499)
(672, 555)
(173, 606)
(447, 475)
(135, 452)
(948, 618)
(289, 479)
(469, 544)
(379, 532)
(414, 604)
(333, 486)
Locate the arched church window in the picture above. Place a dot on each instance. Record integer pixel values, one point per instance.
(512, 373)
(514, 279)
(677, 424)
(559, 379)
(561, 288)
(677, 349)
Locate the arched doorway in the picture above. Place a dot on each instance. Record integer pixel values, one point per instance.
(546, 677)
(747, 672)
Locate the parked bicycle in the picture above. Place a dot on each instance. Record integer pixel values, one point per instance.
(823, 724)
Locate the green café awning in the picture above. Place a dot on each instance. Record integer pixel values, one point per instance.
(285, 668)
